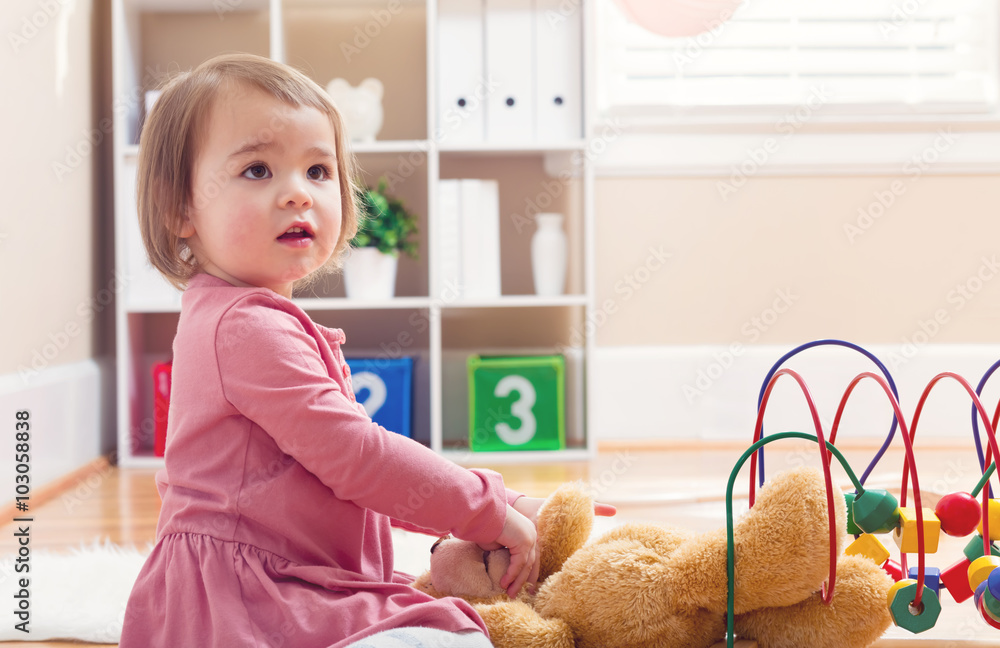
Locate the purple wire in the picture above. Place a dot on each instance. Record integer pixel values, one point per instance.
(888, 377)
(975, 420)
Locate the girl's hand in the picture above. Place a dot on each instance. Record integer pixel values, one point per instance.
(528, 507)
(520, 538)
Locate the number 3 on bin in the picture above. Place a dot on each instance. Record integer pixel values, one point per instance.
(521, 408)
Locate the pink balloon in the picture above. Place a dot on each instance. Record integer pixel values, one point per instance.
(675, 18)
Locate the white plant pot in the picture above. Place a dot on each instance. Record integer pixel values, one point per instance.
(548, 255)
(370, 274)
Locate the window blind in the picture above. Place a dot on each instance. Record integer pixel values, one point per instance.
(911, 54)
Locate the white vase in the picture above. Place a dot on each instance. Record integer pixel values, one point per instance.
(370, 274)
(548, 255)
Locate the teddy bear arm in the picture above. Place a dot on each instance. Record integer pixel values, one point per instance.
(857, 616)
(565, 521)
(514, 624)
(783, 542)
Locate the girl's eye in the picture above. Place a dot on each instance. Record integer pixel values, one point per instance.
(319, 172)
(256, 172)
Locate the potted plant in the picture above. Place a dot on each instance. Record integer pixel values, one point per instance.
(385, 230)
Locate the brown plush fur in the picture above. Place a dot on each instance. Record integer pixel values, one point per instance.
(644, 585)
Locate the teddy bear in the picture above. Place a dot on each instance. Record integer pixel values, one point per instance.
(646, 585)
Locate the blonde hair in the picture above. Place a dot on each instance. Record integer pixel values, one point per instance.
(169, 147)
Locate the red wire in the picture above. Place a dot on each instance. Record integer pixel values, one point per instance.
(991, 446)
(910, 460)
(825, 457)
(992, 450)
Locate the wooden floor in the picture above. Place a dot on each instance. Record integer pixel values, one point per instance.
(680, 486)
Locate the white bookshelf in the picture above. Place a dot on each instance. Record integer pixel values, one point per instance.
(154, 36)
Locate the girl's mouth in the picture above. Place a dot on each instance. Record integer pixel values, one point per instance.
(295, 233)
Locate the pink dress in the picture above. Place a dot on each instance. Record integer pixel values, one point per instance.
(279, 491)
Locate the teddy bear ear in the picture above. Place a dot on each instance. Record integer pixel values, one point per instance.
(337, 87)
(372, 86)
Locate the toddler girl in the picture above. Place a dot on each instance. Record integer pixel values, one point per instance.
(278, 491)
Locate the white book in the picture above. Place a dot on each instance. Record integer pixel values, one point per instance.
(480, 227)
(461, 83)
(510, 68)
(558, 72)
(449, 238)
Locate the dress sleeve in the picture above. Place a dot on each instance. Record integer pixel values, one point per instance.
(273, 372)
(512, 496)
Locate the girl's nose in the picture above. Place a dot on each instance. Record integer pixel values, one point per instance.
(295, 194)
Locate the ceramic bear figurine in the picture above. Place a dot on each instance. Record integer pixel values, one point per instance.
(361, 107)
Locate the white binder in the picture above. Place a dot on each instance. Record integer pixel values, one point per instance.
(510, 58)
(480, 226)
(559, 72)
(145, 287)
(449, 238)
(462, 87)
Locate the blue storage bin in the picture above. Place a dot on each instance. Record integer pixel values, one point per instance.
(384, 386)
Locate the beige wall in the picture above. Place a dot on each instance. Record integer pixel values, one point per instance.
(49, 225)
(773, 263)
(777, 244)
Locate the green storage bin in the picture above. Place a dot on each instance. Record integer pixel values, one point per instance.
(517, 403)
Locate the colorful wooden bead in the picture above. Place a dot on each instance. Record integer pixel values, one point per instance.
(903, 613)
(991, 603)
(891, 596)
(956, 580)
(895, 570)
(983, 612)
(974, 548)
(852, 526)
(987, 608)
(979, 593)
(869, 546)
(905, 534)
(993, 583)
(876, 511)
(981, 568)
(959, 514)
(994, 513)
(932, 578)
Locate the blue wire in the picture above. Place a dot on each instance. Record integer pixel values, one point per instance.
(885, 372)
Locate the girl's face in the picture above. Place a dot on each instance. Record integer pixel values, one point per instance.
(265, 208)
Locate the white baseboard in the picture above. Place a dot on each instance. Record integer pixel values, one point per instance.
(678, 393)
(70, 418)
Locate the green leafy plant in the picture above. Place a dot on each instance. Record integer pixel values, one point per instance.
(385, 222)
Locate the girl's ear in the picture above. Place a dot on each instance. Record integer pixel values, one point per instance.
(183, 227)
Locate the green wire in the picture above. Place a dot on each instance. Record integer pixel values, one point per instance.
(985, 479)
(731, 543)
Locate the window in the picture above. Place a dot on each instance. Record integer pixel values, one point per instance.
(863, 56)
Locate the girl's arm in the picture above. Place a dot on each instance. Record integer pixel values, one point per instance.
(512, 496)
(273, 372)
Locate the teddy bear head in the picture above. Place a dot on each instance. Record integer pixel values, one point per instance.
(464, 569)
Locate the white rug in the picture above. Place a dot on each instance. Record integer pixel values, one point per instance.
(80, 594)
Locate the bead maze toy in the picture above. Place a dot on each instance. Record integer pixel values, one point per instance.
(914, 601)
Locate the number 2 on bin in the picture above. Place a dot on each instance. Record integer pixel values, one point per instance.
(377, 391)
(521, 408)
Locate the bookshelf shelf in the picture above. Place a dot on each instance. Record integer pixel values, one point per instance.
(154, 37)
